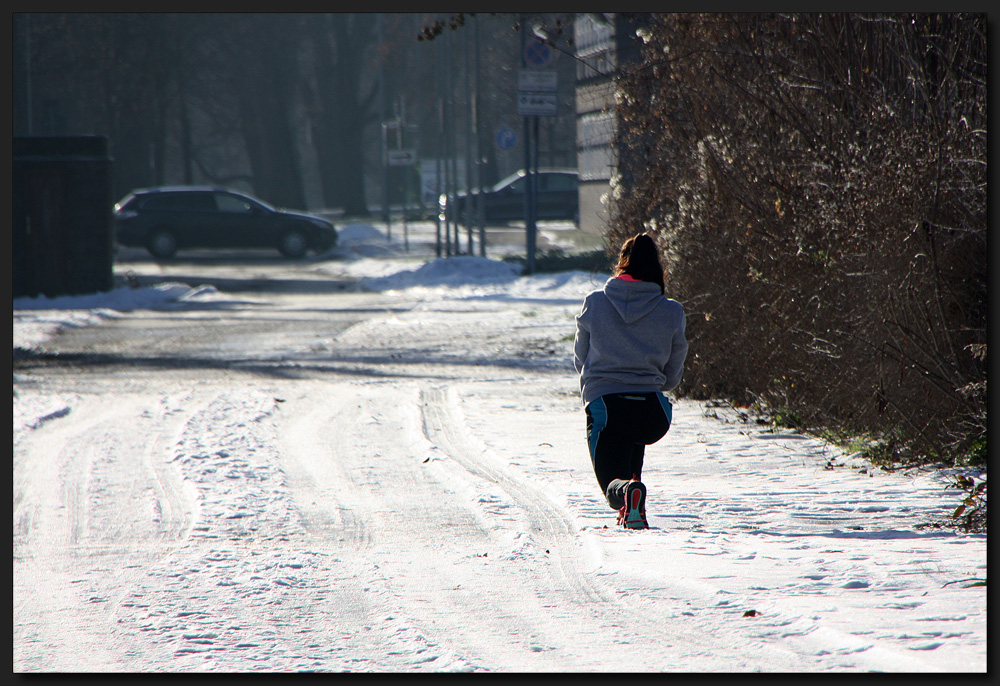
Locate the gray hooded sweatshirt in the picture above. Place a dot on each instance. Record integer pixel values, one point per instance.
(629, 339)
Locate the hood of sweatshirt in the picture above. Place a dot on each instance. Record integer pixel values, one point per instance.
(633, 300)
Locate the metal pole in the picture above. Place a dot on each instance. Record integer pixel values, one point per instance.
(526, 134)
(406, 170)
(27, 60)
(385, 153)
(453, 144)
(437, 180)
(532, 181)
(527, 190)
(529, 199)
(385, 182)
(449, 160)
(468, 140)
(480, 219)
(440, 141)
(534, 196)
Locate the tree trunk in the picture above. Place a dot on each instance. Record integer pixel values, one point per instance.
(267, 102)
(349, 113)
(339, 115)
(323, 129)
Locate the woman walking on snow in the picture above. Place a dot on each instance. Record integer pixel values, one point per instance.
(629, 348)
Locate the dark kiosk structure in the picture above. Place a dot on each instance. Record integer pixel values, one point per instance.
(63, 227)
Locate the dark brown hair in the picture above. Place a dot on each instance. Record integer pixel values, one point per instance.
(640, 259)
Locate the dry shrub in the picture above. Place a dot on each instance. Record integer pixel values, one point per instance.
(818, 185)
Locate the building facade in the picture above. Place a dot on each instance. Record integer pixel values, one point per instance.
(604, 43)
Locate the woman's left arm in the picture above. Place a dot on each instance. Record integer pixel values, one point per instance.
(581, 343)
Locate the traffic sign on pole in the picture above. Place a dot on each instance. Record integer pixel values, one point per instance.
(530, 81)
(506, 138)
(537, 55)
(401, 158)
(537, 104)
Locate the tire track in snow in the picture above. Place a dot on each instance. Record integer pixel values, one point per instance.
(241, 593)
(589, 615)
(95, 449)
(619, 557)
(92, 473)
(347, 459)
(310, 442)
(445, 427)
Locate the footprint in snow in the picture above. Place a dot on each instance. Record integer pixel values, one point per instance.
(856, 584)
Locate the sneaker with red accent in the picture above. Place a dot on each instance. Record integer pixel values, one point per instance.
(632, 515)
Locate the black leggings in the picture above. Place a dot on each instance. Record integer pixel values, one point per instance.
(619, 427)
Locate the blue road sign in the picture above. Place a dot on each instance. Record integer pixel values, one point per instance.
(506, 138)
(537, 54)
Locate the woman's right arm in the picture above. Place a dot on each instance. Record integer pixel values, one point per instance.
(678, 353)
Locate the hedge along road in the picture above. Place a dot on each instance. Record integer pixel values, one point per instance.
(385, 470)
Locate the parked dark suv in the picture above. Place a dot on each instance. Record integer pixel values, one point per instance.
(557, 197)
(164, 220)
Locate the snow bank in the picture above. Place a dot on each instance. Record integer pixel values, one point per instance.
(38, 319)
(358, 233)
(119, 299)
(460, 270)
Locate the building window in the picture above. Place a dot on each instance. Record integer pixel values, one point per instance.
(594, 134)
(594, 47)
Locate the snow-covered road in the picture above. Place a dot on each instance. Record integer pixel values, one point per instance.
(414, 493)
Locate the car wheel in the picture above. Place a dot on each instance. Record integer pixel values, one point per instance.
(293, 244)
(162, 244)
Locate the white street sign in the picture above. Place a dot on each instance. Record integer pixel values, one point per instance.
(401, 158)
(538, 104)
(529, 81)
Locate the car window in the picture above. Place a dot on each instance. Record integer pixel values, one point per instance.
(178, 201)
(159, 202)
(517, 186)
(558, 182)
(232, 203)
